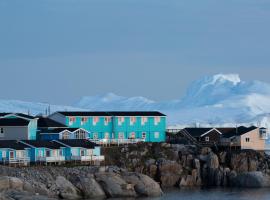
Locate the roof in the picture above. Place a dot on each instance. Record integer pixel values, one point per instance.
(13, 122)
(75, 113)
(113, 113)
(25, 116)
(196, 132)
(43, 143)
(58, 130)
(12, 144)
(79, 143)
(4, 114)
(136, 113)
(47, 122)
(230, 132)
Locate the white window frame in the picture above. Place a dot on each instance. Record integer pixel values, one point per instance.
(207, 139)
(132, 135)
(4, 154)
(95, 136)
(121, 135)
(84, 120)
(72, 120)
(121, 120)
(157, 120)
(144, 120)
(144, 135)
(95, 120)
(106, 135)
(156, 135)
(132, 120)
(107, 120)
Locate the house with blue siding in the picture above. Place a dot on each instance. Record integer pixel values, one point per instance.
(148, 126)
(45, 151)
(14, 152)
(81, 150)
(17, 126)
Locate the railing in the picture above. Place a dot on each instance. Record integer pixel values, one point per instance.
(98, 158)
(20, 160)
(116, 141)
(51, 159)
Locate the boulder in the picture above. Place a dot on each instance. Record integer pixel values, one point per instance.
(88, 186)
(114, 186)
(10, 183)
(251, 180)
(170, 173)
(66, 189)
(212, 161)
(143, 185)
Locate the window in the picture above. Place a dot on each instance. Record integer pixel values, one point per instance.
(60, 152)
(48, 153)
(65, 135)
(40, 154)
(107, 136)
(107, 120)
(121, 120)
(121, 135)
(247, 139)
(74, 152)
(206, 139)
(144, 135)
(11, 154)
(72, 120)
(80, 134)
(84, 120)
(82, 153)
(157, 120)
(95, 136)
(132, 120)
(2, 132)
(4, 154)
(95, 120)
(132, 135)
(144, 121)
(156, 135)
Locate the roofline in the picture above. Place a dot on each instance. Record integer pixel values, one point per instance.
(210, 131)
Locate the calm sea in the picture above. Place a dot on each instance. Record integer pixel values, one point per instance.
(215, 194)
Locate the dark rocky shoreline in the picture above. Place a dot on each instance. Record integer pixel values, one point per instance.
(138, 171)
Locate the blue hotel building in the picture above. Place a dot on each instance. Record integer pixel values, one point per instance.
(149, 126)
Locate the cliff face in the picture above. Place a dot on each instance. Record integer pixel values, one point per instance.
(189, 166)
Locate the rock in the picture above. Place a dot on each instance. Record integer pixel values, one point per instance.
(143, 185)
(170, 173)
(114, 186)
(206, 150)
(212, 161)
(239, 162)
(251, 180)
(187, 181)
(66, 189)
(88, 186)
(10, 183)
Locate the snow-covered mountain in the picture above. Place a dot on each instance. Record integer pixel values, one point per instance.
(222, 99)
(31, 107)
(212, 100)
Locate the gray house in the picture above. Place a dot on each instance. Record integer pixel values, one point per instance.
(17, 127)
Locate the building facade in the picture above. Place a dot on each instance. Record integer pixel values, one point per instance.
(145, 126)
(16, 126)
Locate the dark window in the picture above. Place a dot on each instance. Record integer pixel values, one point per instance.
(247, 139)
(2, 130)
(48, 153)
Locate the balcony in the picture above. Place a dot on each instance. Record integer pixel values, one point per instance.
(116, 141)
(19, 160)
(51, 159)
(98, 158)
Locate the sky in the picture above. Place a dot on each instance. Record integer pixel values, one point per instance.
(57, 51)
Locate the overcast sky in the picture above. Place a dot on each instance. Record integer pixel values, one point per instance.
(60, 50)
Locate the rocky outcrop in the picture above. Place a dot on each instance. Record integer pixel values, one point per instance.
(254, 179)
(66, 189)
(114, 186)
(143, 185)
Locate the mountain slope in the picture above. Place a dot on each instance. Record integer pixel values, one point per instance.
(222, 99)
